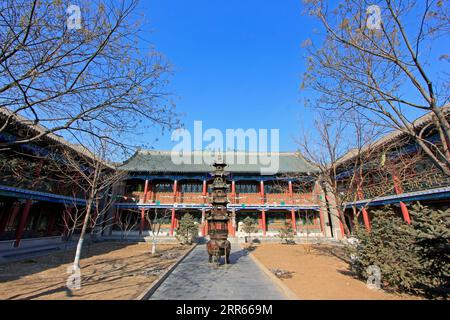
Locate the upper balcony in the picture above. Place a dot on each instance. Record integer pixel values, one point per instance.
(238, 198)
(427, 180)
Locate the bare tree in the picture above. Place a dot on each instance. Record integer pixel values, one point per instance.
(156, 221)
(380, 59)
(127, 224)
(77, 82)
(92, 177)
(346, 165)
(72, 220)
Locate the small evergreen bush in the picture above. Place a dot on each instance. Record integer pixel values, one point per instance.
(187, 229)
(287, 233)
(412, 258)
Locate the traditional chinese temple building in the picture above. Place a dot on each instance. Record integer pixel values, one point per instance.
(156, 183)
(395, 173)
(35, 203)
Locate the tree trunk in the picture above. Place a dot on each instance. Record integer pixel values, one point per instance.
(76, 261)
(154, 246)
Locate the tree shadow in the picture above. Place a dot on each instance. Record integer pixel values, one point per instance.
(117, 271)
(332, 251)
(10, 271)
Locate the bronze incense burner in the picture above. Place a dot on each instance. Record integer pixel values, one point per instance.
(218, 217)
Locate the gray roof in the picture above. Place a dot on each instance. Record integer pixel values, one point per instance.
(161, 161)
(393, 135)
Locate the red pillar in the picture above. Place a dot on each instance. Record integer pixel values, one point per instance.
(202, 229)
(294, 223)
(230, 228)
(148, 194)
(366, 219)
(144, 200)
(322, 226)
(291, 190)
(172, 225)
(233, 224)
(341, 225)
(263, 220)
(398, 190)
(233, 191)
(405, 212)
(51, 225)
(10, 216)
(262, 191)
(204, 191)
(175, 188)
(364, 210)
(23, 222)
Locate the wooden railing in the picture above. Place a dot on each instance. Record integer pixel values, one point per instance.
(163, 197)
(247, 198)
(239, 198)
(417, 182)
(190, 197)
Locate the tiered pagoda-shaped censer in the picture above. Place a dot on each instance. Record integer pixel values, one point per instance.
(218, 217)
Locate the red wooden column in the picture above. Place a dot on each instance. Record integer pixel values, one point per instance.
(202, 228)
(398, 190)
(294, 223)
(230, 228)
(233, 191)
(50, 225)
(148, 194)
(405, 212)
(172, 224)
(360, 195)
(366, 219)
(10, 216)
(291, 191)
(233, 221)
(263, 221)
(23, 222)
(341, 225)
(262, 191)
(175, 189)
(144, 200)
(204, 191)
(322, 225)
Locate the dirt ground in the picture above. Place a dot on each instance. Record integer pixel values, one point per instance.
(108, 271)
(321, 274)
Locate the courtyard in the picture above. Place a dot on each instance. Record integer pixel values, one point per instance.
(109, 270)
(319, 274)
(121, 271)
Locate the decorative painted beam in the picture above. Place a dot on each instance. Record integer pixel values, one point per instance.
(432, 194)
(37, 195)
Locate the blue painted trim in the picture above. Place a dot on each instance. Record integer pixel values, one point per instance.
(438, 195)
(200, 206)
(166, 177)
(209, 177)
(37, 195)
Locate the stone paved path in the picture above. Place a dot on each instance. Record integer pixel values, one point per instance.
(195, 278)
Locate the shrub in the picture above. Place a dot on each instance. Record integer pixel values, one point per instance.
(431, 230)
(187, 229)
(287, 233)
(412, 258)
(249, 226)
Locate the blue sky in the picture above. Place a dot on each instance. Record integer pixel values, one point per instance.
(237, 64)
